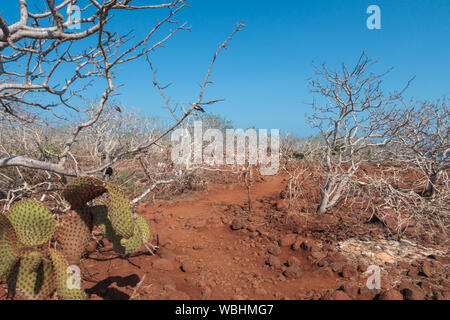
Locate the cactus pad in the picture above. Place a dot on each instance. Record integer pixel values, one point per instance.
(130, 245)
(9, 251)
(32, 278)
(82, 190)
(142, 224)
(74, 234)
(119, 212)
(32, 222)
(61, 269)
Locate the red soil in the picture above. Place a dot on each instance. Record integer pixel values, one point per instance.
(211, 247)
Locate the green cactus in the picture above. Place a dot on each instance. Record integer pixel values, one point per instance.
(35, 272)
(33, 223)
(32, 278)
(82, 190)
(142, 224)
(74, 233)
(63, 278)
(119, 212)
(9, 246)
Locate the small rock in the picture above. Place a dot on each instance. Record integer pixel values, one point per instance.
(336, 267)
(297, 244)
(324, 272)
(293, 261)
(275, 250)
(426, 269)
(362, 268)
(322, 263)
(237, 224)
(317, 253)
(189, 266)
(273, 261)
(292, 272)
(348, 271)
(306, 245)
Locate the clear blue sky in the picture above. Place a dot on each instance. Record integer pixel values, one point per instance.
(263, 76)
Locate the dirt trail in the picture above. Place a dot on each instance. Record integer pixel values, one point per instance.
(201, 257)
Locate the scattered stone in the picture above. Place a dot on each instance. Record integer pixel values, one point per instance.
(317, 253)
(336, 267)
(292, 272)
(324, 272)
(306, 245)
(426, 269)
(362, 268)
(273, 261)
(348, 271)
(322, 263)
(189, 266)
(296, 246)
(293, 261)
(275, 250)
(237, 224)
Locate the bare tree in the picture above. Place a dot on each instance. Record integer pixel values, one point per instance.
(343, 115)
(419, 134)
(40, 47)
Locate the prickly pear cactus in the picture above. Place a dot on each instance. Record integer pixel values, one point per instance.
(143, 227)
(73, 234)
(119, 212)
(33, 223)
(82, 190)
(9, 246)
(35, 272)
(68, 286)
(33, 277)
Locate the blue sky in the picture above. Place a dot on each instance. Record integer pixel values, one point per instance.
(263, 76)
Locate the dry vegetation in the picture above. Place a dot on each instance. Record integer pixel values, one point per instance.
(377, 158)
